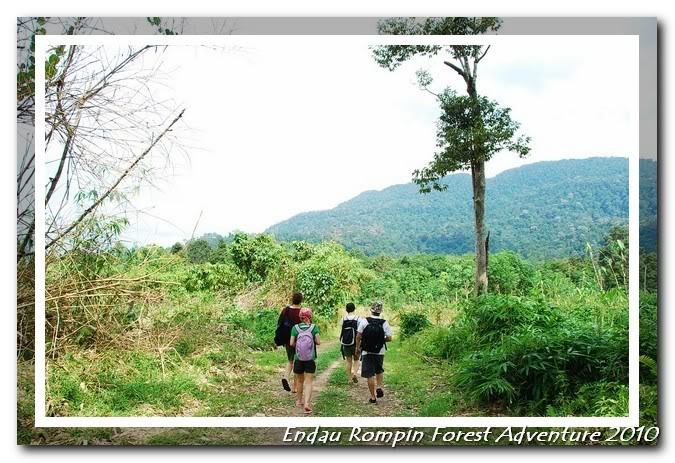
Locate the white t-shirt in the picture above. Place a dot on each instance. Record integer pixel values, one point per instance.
(363, 322)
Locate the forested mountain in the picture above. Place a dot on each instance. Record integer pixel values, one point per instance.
(541, 210)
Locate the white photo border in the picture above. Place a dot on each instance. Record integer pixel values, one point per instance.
(43, 42)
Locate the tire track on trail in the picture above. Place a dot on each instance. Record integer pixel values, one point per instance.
(274, 436)
(389, 405)
(287, 399)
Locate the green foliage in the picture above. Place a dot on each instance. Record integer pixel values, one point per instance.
(540, 211)
(412, 322)
(494, 315)
(648, 325)
(524, 352)
(198, 251)
(215, 277)
(613, 257)
(320, 287)
(547, 340)
(256, 256)
(509, 274)
(255, 329)
(392, 56)
(330, 278)
(177, 247)
(466, 136)
(648, 271)
(540, 364)
(600, 398)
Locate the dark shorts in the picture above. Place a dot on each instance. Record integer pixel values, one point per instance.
(348, 351)
(371, 365)
(290, 352)
(304, 366)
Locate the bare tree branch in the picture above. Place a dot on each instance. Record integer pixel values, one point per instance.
(114, 185)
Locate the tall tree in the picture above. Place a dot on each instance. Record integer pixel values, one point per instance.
(473, 151)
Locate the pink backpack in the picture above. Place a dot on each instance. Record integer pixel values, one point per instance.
(304, 343)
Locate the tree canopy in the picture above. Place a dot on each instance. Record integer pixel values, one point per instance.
(459, 133)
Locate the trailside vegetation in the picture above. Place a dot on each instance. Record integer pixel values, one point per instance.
(162, 333)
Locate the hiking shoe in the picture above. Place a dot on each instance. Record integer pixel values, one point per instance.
(372, 401)
(284, 383)
(354, 379)
(379, 392)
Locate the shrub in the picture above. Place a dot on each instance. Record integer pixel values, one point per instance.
(540, 363)
(320, 288)
(216, 277)
(495, 315)
(413, 322)
(255, 327)
(198, 251)
(256, 256)
(600, 398)
(648, 325)
(509, 274)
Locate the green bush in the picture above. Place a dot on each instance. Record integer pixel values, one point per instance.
(600, 398)
(255, 328)
(256, 256)
(648, 325)
(198, 251)
(320, 287)
(216, 277)
(412, 322)
(433, 342)
(495, 315)
(509, 274)
(540, 363)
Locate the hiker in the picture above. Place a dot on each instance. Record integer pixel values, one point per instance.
(371, 337)
(305, 338)
(288, 318)
(350, 324)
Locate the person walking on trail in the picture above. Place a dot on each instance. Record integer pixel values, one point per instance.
(305, 338)
(288, 318)
(371, 337)
(350, 325)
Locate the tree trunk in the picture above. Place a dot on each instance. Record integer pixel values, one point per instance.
(478, 180)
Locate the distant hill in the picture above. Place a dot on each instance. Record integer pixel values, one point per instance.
(541, 210)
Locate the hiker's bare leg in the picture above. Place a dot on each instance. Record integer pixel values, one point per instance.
(296, 381)
(308, 387)
(356, 367)
(371, 386)
(349, 370)
(380, 380)
(289, 375)
(299, 380)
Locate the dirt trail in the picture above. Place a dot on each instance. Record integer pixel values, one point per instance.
(274, 436)
(388, 405)
(286, 400)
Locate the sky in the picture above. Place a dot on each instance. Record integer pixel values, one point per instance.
(278, 128)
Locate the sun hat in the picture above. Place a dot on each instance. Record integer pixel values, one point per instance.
(376, 307)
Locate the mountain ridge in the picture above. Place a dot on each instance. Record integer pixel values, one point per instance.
(582, 198)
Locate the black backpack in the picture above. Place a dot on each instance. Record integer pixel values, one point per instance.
(372, 339)
(282, 335)
(348, 334)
